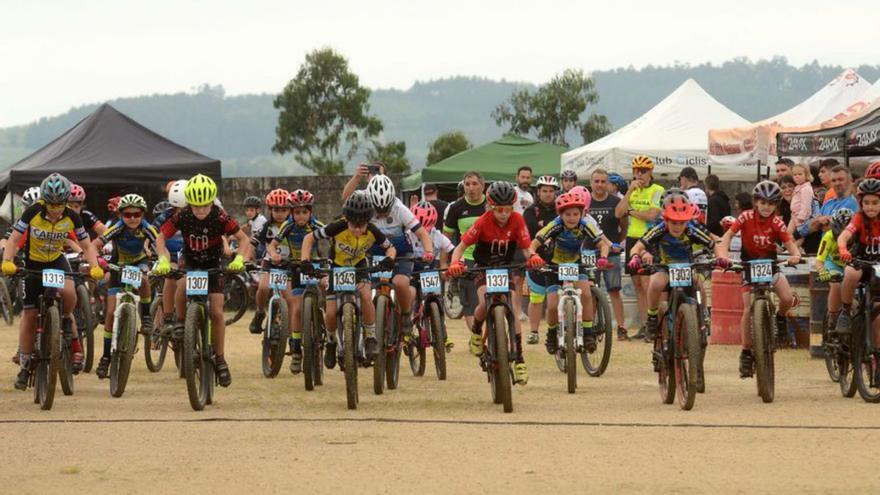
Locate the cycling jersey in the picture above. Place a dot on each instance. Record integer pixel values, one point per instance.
(495, 244)
(660, 242)
(347, 249)
(128, 244)
(866, 233)
(293, 235)
(828, 249)
(202, 239)
(175, 242)
(564, 244)
(267, 234)
(760, 235)
(394, 226)
(89, 221)
(45, 239)
(460, 217)
(440, 242)
(257, 223)
(643, 199)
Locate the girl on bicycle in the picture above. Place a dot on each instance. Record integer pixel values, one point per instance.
(426, 214)
(278, 202)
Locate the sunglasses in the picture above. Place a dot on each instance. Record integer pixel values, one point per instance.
(132, 214)
(503, 209)
(640, 171)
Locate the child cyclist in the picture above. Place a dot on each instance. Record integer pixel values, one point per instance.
(176, 201)
(350, 239)
(561, 241)
(828, 262)
(864, 232)
(130, 237)
(427, 216)
(301, 223)
(497, 234)
(278, 202)
(761, 230)
(203, 225)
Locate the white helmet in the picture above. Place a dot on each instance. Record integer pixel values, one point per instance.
(547, 180)
(698, 197)
(30, 196)
(175, 194)
(381, 191)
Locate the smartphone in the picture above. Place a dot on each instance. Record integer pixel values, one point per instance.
(374, 169)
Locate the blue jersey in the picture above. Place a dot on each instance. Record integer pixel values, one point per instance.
(175, 242)
(129, 244)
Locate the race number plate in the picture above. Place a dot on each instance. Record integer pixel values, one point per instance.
(430, 282)
(53, 279)
(497, 281)
(277, 279)
(568, 272)
(761, 271)
(131, 275)
(680, 275)
(197, 283)
(380, 275)
(344, 279)
(307, 280)
(588, 258)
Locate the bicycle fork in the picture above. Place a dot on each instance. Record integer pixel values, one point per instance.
(136, 299)
(575, 295)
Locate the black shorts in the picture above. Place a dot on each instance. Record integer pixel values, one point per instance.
(361, 277)
(33, 284)
(216, 280)
(467, 290)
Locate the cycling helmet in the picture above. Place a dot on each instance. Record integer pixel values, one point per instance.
(55, 189)
(301, 197)
(176, 195)
(840, 219)
(160, 208)
(584, 193)
(569, 200)
(277, 198)
(460, 188)
(698, 197)
(670, 193)
(501, 194)
(113, 204)
(31, 195)
(568, 175)
(252, 202)
(381, 191)
(873, 171)
(618, 181)
(642, 161)
(200, 191)
(426, 214)
(767, 190)
(132, 201)
(547, 180)
(696, 212)
(727, 221)
(77, 193)
(678, 209)
(358, 208)
(869, 187)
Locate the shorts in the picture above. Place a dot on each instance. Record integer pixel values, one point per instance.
(745, 288)
(467, 290)
(537, 286)
(630, 242)
(833, 267)
(361, 277)
(33, 284)
(116, 284)
(518, 257)
(611, 277)
(216, 280)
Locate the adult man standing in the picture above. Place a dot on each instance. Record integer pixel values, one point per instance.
(783, 167)
(460, 216)
(825, 168)
(841, 184)
(690, 184)
(602, 209)
(719, 205)
(537, 216)
(524, 197)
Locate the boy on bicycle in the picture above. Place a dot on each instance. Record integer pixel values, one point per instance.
(350, 240)
(562, 240)
(130, 237)
(761, 231)
(176, 201)
(828, 262)
(278, 202)
(496, 234)
(203, 225)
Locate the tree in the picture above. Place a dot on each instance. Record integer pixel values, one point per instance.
(393, 155)
(323, 109)
(554, 109)
(595, 127)
(448, 144)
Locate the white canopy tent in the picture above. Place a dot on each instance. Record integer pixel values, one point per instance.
(673, 134)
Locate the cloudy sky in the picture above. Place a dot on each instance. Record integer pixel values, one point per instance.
(58, 54)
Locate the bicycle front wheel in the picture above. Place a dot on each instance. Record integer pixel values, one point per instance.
(503, 379)
(763, 348)
(85, 325)
(126, 343)
(5, 301)
(349, 342)
(275, 338)
(236, 299)
(49, 361)
(687, 355)
(193, 358)
(569, 326)
(438, 339)
(595, 363)
(155, 357)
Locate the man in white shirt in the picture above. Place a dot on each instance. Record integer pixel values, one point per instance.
(524, 198)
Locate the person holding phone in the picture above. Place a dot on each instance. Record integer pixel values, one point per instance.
(362, 175)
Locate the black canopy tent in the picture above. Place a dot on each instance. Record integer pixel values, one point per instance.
(849, 140)
(864, 140)
(109, 154)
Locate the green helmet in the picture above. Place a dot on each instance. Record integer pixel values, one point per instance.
(132, 201)
(200, 191)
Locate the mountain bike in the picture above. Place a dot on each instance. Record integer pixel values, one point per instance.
(596, 362)
(837, 349)
(430, 324)
(277, 329)
(126, 320)
(238, 290)
(313, 330)
(865, 350)
(83, 313)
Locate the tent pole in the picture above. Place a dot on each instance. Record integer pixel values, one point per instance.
(845, 153)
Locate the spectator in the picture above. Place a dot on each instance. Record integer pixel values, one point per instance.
(618, 184)
(459, 218)
(841, 185)
(688, 178)
(825, 168)
(719, 205)
(783, 167)
(802, 199)
(429, 193)
(523, 190)
(602, 209)
(742, 202)
(362, 175)
(537, 216)
(569, 179)
(786, 183)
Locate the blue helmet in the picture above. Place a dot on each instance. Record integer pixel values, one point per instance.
(55, 189)
(618, 181)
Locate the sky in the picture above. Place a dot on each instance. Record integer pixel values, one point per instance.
(58, 54)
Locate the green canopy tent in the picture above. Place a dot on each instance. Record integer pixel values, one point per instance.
(497, 160)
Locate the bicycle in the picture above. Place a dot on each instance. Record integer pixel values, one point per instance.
(596, 362)
(429, 322)
(277, 329)
(865, 351)
(83, 313)
(452, 300)
(312, 326)
(838, 352)
(238, 292)
(126, 320)
(159, 338)
(7, 310)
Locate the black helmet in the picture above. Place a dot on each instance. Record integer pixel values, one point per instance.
(160, 207)
(358, 207)
(869, 186)
(767, 190)
(569, 174)
(501, 194)
(671, 193)
(840, 219)
(252, 202)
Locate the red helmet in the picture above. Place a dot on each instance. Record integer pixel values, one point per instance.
(584, 194)
(277, 197)
(113, 204)
(678, 209)
(77, 193)
(727, 221)
(873, 171)
(696, 212)
(301, 197)
(568, 200)
(426, 214)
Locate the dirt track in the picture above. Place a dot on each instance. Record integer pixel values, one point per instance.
(430, 436)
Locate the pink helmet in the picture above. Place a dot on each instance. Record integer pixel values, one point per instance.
(77, 193)
(584, 193)
(426, 214)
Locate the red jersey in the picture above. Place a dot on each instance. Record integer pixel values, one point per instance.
(496, 245)
(867, 236)
(202, 239)
(759, 235)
